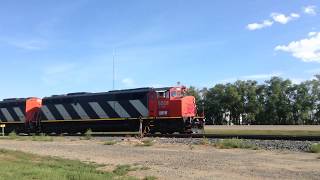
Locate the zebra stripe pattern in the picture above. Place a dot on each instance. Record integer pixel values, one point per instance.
(12, 114)
(94, 110)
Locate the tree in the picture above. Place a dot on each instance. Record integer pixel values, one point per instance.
(277, 101)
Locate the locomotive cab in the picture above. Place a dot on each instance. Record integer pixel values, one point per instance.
(172, 102)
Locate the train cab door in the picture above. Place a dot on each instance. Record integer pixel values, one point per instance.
(163, 102)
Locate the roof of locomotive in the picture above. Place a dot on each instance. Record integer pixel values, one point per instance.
(124, 91)
(13, 100)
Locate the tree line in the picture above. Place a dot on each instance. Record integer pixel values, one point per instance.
(277, 101)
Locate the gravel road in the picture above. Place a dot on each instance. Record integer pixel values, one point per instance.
(181, 161)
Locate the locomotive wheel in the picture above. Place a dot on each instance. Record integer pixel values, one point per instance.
(146, 130)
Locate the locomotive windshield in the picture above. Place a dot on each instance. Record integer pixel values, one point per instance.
(163, 94)
(172, 92)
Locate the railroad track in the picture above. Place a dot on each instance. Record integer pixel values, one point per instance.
(218, 136)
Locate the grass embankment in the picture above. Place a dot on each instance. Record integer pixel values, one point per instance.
(40, 137)
(19, 165)
(262, 132)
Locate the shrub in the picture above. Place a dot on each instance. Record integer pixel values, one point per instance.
(205, 141)
(150, 178)
(234, 143)
(88, 134)
(122, 170)
(13, 135)
(147, 142)
(315, 148)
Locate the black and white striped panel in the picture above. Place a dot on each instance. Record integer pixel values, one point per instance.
(95, 110)
(12, 114)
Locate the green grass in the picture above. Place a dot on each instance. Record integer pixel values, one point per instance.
(25, 166)
(40, 137)
(88, 134)
(233, 143)
(147, 142)
(13, 135)
(122, 170)
(110, 143)
(315, 148)
(150, 178)
(263, 132)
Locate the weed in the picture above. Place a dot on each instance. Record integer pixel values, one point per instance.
(87, 135)
(150, 178)
(205, 141)
(13, 135)
(191, 147)
(234, 143)
(147, 142)
(122, 170)
(42, 137)
(144, 168)
(315, 148)
(109, 143)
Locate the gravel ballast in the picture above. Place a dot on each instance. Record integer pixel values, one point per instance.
(298, 146)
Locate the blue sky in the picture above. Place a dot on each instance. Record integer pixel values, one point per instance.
(56, 47)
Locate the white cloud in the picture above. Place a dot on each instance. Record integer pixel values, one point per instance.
(128, 82)
(308, 49)
(282, 18)
(312, 33)
(255, 26)
(310, 10)
(276, 17)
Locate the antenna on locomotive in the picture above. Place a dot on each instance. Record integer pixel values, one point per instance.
(113, 71)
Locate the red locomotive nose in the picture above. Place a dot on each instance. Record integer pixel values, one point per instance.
(33, 106)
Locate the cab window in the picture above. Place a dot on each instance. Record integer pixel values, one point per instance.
(163, 94)
(174, 94)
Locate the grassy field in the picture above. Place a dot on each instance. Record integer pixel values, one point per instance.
(19, 165)
(261, 131)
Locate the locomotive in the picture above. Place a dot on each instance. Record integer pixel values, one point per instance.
(149, 110)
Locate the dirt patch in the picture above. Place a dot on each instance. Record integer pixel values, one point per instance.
(178, 161)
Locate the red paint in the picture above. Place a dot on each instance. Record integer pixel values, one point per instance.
(173, 103)
(153, 104)
(33, 106)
